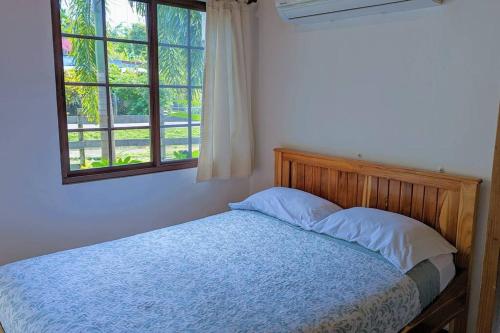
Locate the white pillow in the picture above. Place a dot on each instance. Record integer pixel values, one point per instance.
(293, 206)
(403, 241)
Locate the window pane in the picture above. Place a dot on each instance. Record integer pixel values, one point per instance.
(88, 150)
(128, 63)
(86, 107)
(126, 19)
(130, 106)
(173, 62)
(81, 17)
(175, 143)
(195, 151)
(131, 146)
(196, 105)
(198, 20)
(172, 25)
(196, 134)
(197, 65)
(174, 106)
(83, 60)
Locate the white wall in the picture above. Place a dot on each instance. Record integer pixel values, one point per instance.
(39, 215)
(417, 88)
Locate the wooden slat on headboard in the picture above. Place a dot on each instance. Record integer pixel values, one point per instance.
(445, 202)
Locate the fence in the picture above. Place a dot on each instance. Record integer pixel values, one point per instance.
(136, 120)
(132, 143)
(139, 120)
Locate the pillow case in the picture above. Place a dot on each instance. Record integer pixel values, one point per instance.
(290, 205)
(403, 241)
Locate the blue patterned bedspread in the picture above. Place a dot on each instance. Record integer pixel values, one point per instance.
(239, 271)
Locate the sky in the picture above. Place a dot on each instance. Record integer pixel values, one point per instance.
(120, 11)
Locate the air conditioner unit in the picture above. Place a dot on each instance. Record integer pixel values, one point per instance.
(315, 11)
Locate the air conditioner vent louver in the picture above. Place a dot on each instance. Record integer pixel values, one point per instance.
(314, 11)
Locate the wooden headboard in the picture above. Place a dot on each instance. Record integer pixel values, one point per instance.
(445, 202)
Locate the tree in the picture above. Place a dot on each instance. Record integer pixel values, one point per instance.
(85, 17)
(128, 62)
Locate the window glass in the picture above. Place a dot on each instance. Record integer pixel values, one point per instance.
(82, 17)
(126, 20)
(113, 106)
(181, 68)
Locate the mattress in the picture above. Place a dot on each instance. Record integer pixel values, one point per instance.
(446, 268)
(239, 271)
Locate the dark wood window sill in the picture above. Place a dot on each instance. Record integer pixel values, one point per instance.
(126, 171)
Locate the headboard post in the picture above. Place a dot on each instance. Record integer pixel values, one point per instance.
(445, 202)
(465, 225)
(278, 167)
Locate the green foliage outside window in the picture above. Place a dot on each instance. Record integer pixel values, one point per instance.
(79, 17)
(128, 63)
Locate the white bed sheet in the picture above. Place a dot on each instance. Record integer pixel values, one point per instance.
(446, 267)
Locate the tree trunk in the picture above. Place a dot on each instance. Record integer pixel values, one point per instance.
(101, 76)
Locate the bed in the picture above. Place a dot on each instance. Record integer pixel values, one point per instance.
(244, 271)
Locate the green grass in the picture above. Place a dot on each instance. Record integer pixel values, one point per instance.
(184, 115)
(180, 132)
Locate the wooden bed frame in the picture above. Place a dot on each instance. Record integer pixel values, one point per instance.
(445, 202)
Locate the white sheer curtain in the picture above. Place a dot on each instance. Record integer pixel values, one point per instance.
(226, 131)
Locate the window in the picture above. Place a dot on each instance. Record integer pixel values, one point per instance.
(129, 75)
